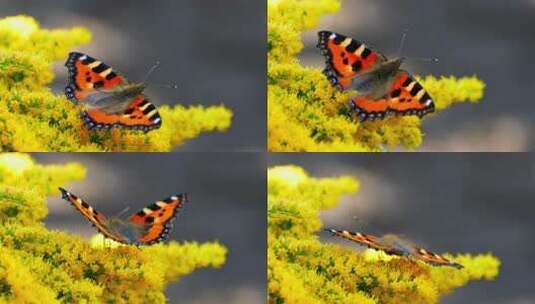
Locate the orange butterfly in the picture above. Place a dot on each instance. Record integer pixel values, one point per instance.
(113, 101)
(395, 246)
(148, 226)
(384, 88)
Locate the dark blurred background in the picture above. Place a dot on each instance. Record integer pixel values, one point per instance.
(214, 50)
(227, 204)
(492, 39)
(459, 203)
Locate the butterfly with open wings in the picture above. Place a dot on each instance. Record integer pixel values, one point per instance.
(394, 246)
(113, 101)
(384, 89)
(148, 226)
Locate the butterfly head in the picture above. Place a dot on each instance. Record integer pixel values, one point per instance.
(395, 63)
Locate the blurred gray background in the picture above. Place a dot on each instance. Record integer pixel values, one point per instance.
(465, 203)
(492, 39)
(214, 50)
(227, 204)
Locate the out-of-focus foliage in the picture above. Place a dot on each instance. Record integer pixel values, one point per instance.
(305, 113)
(301, 269)
(32, 118)
(39, 265)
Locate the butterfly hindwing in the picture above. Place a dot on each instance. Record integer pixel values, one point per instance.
(346, 58)
(140, 114)
(95, 217)
(405, 97)
(157, 218)
(87, 75)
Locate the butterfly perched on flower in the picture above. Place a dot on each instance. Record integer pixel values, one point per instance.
(384, 89)
(148, 226)
(395, 246)
(113, 101)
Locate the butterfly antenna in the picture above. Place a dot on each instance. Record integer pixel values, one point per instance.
(167, 86)
(123, 212)
(402, 42)
(152, 69)
(423, 59)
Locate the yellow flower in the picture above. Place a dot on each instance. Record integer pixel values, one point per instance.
(305, 113)
(44, 266)
(301, 269)
(32, 118)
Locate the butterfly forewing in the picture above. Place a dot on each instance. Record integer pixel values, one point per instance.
(87, 75)
(346, 58)
(157, 218)
(92, 215)
(367, 240)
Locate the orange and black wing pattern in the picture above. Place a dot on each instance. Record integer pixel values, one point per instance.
(406, 97)
(395, 248)
(345, 58)
(157, 219)
(433, 258)
(96, 218)
(87, 75)
(368, 240)
(139, 115)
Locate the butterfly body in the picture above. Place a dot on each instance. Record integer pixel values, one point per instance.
(148, 226)
(130, 232)
(114, 101)
(393, 245)
(377, 81)
(384, 88)
(111, 99)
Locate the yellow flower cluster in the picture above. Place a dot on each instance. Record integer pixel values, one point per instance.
(305, 113)
(301, 269)
(32, 118)
(43, 266)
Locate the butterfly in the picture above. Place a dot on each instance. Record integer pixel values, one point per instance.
(394, 246)
(113, 101)
(148, 226)
(384, 89)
